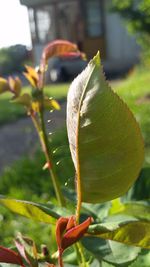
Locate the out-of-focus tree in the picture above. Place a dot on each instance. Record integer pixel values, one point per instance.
(137, 16)
(13, 58)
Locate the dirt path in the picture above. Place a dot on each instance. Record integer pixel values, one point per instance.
(19, 138)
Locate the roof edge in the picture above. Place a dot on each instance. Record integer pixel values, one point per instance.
(31, 3)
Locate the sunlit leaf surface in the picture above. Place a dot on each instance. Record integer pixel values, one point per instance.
(130, 231)
(31, 210)
(105, 140)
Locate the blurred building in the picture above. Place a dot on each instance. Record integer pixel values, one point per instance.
(89, 23)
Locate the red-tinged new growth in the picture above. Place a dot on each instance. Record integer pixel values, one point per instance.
(10, 256)
(68, 233)
(61, 48)
(58, 48)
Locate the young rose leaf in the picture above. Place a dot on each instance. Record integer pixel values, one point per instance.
(51, 104)
(58, 48)
(9, 256)
(68, 233)
(32, 76)
(32, 72)
(4, 86)
(24, 100)
(74, 234)
(130, 232)
(27, 250)
(15, 85)
(60, 229)
(35, 105)
(31, 210)
(105, 140)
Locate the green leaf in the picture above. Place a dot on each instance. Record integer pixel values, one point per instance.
(98, 211)
(131, 232)
(143, 260)
(24, 100)
(51, 104)
(31, 210)
(137, 209)
(111, 252)
(105, 140)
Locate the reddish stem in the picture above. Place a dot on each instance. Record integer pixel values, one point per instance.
(60, 260)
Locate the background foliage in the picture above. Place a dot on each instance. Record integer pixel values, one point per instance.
(137, 16)
(13, 58)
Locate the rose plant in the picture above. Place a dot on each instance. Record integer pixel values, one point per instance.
(107, 151)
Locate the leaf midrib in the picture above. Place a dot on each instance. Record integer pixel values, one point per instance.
(79, 196)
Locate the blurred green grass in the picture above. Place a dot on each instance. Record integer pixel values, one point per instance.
(10, 112)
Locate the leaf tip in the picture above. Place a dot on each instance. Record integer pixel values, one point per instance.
(97, 59)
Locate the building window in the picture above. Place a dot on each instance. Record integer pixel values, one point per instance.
(32, 24)
(67, 19)
(93, 18)
(43, 24)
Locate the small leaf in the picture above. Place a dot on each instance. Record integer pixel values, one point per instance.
(75, 233)
(105, 140)
(32, 76)
(9, 256)
(134, 233)
(24, 100)
(74, 55)
(15, 85)
(4, 86)
(60, 228)
(35, 106)
(32, 72)
(71, 223)
(27, 250)
(30, 79)
(31, 210)
(51, 104)
(58, 48)
(67, 232)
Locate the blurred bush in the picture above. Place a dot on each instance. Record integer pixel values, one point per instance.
(13, 58)
(137, 16)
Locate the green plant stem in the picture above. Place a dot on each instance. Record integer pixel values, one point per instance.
(80, 255)
(45, 146)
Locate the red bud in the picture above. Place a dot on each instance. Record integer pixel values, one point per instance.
(75, 233)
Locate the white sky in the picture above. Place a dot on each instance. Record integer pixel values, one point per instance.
(14, 24)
